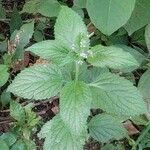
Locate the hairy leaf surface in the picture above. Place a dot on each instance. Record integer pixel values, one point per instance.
(71, 30)
(59, 136)
(116, 95)
(9, 138)
(17, 112)
(37, 82)
(53, 51)
(75, 103)
(105, 127)
(112, 57)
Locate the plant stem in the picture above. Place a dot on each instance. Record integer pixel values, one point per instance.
(144, 132)
(77, 71)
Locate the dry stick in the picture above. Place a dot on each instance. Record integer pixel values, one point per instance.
(8, 20)
(34, 104)
(7, 120)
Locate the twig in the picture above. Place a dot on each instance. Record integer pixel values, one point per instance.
(34, 104)
(6, 122)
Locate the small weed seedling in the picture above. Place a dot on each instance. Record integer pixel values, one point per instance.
(24, 123)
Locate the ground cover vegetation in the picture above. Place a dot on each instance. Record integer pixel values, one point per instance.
(74, 75)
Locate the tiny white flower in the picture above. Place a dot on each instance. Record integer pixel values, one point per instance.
(80, 62)
(73, 47)
(90, 53)
(83, 43)
(84, 54)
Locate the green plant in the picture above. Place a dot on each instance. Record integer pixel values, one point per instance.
(83, 78)
(14, 52)
(24, 123)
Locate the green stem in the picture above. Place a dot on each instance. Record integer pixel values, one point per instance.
(144, 132)
(77, 71)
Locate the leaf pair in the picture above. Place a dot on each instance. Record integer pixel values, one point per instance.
(58, 135)
(71, 39)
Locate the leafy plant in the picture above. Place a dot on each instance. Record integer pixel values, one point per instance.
(19, 137)
(15, 52)
(82, 76)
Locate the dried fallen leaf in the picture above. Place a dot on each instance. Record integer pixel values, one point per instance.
(130, 128)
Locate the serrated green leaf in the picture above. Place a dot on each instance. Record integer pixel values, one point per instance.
(78, 10)
(144, 85)
(147, 36)
(4, 75)
(30, 145)
(31, 116)
(3, 145)
(9, 138)
(75, 103)
(135, 53)
(112, 57)
(21, 38)
(53, 51)
(17, 112)
(80, 3)
(116, 95)
(89, 75)
(19, 145)
(48, 8)
(37, 82)
(105, 127)
(59, 136)
(145, 141)
(107, 15)
(71, 30)
(5, 98)
(140, 120)
(140, 16)
(16, 21)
